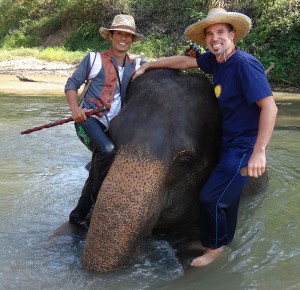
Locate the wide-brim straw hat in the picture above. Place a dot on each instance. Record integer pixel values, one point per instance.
(241, 25)
(124, 23)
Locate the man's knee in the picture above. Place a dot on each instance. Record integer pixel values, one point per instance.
(106, 150)
(110, 151)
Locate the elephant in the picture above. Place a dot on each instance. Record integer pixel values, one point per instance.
(167, 140)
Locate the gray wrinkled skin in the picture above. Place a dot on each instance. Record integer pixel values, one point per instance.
(167, 140)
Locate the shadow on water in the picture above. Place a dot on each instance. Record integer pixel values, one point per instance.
(41, 179)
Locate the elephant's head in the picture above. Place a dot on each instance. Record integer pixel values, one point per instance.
(167, 139)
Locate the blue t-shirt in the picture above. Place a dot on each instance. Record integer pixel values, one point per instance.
(239, 83)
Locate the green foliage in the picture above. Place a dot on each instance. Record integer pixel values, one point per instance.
(48, 54)
(100, 12)
(20, 39)
(45, 26)
(274, 38)
(86, 37)
(25, 23)
(157, 47)
(61, 54)
(12, 53)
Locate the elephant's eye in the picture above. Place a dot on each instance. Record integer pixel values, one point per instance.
(184, 158)
(184, 162)
(183, 165)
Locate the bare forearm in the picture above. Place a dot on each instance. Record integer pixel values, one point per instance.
(266, 126)
(175, 62)
(257, 162)
(71, 97)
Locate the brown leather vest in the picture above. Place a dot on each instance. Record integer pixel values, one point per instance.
(110, 66)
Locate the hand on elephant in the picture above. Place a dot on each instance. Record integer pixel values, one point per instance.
(140, 71)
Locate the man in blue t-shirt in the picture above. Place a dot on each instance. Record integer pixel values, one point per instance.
(248, 117)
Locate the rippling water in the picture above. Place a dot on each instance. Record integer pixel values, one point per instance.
(41, 178)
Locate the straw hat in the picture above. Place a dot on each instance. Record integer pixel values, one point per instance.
(241, 25)
(124, 23)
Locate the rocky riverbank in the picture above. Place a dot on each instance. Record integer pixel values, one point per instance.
(31, 76)
(41, 70)
(32, 66)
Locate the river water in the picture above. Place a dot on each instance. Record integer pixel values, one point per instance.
(41, 177)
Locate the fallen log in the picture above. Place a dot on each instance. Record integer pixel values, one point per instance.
(25, 79)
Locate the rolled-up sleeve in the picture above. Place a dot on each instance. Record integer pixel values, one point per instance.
(79, 76)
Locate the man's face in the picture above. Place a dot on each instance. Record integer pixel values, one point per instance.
(218, 38)
(121, 41)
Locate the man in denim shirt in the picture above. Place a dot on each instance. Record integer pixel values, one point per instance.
(108, 74)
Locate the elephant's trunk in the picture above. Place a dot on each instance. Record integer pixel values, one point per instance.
(127, 208)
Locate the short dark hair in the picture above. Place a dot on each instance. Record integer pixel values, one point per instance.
(229, 27)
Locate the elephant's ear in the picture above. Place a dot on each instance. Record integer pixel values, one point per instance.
(183, 167)
(182, 183)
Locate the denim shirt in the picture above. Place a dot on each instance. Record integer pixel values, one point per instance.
(81, 74)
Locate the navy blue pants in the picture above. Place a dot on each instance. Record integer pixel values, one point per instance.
(220, 197)
(91, 133)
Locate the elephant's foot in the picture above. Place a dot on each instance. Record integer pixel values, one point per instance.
(78, 221)
(208, 257)
(81, 224)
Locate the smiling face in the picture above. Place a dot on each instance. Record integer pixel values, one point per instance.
(121, 41)
(219, 38)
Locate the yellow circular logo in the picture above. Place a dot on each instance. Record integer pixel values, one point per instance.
(218, 90)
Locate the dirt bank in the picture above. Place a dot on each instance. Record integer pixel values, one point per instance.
(49, 77)
(32, 66)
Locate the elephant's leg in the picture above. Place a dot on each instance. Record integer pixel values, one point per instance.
(127, 208)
